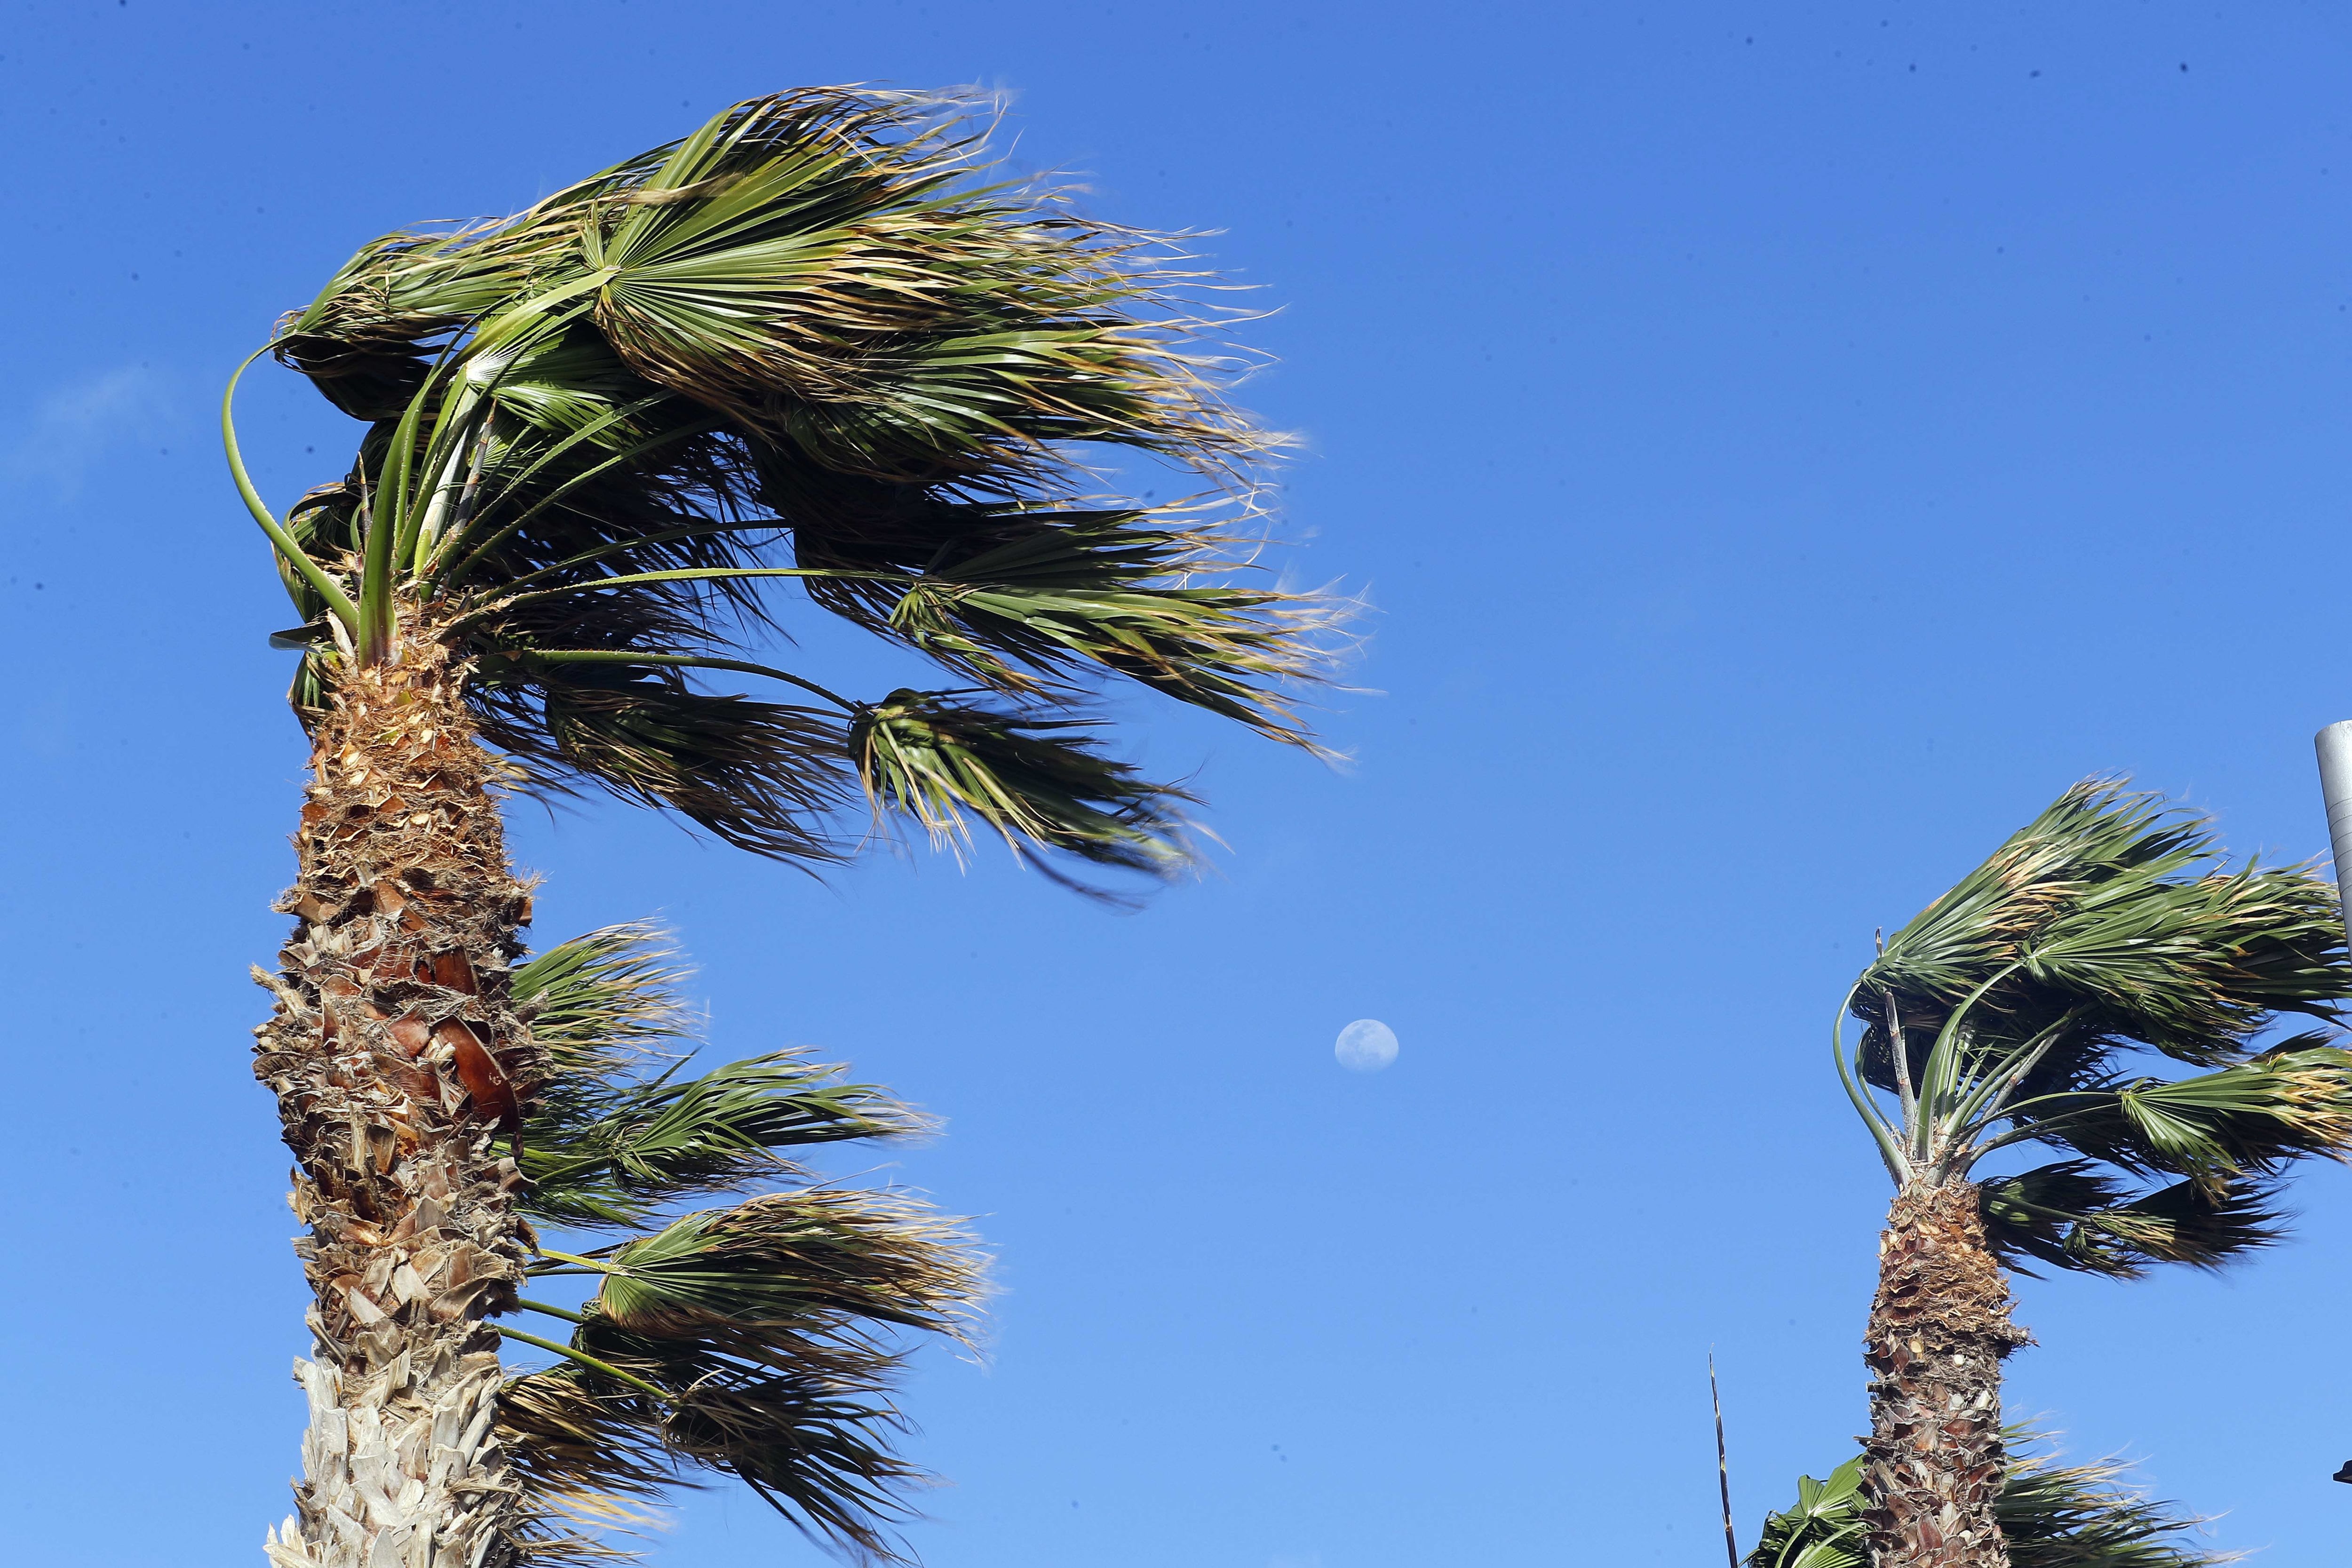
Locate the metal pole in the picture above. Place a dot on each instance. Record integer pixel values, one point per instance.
(2335, 744)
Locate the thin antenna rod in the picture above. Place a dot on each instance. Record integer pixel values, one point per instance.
(1722, 1466)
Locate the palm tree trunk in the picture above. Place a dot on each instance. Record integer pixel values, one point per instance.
(1938, 1330)
(396, 1056)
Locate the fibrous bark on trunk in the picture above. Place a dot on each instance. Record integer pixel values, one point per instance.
(396, 1059)
(1938, 1330)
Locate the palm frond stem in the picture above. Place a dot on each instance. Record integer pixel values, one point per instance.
(682, 661)
(1890, 1147)
(470, 410)
(428, 538)
(387, 518)
(578, 1262)
(584, 1359)
(569, 1316)
(1906, 1094)
(1940, 1080)
(291, 553)
(1988, 1103)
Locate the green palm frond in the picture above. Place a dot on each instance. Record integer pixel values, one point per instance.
(941, 761)
(1823, 1530)
(641, 1144)
(808, 345)
(2093, 833)
(2253, 1117)
(2107, 936)
(1059, 597)
(816, 1442)
(758, 1341)
(582, 1447)
(2072, 1215)
(760, 775)
(830, 288)
(2051, 1515)
(602, 1002)
(788, 1257)
(2114, 903)
(750, 1342)
(2084, 1516)
(614, 1131)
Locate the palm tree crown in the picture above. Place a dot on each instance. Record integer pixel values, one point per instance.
(797, 345)
(2025, 1005)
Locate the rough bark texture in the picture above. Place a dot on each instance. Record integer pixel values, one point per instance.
(395, 1056)
(1938, 1331)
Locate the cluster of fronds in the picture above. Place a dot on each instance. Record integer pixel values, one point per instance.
(801, 345)
(758, 1340)
(2025, 1005)
(2051, 1515)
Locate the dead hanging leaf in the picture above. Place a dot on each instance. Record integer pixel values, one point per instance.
(337, 998)
(388, 899)
(408, 1285)
(452, 970)
(316, 910)
(452, 1304)
(411, 1034)
(421, 1087)
(493, 1097)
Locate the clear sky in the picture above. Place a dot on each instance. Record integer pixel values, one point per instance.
(1785, 445)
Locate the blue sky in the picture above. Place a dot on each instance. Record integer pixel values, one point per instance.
(1784, 447)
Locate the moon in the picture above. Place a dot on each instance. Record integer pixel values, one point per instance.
(1366, 1045)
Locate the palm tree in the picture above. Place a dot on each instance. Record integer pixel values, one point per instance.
(2051, 1516)
(805, 346)
(2023, 1007)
